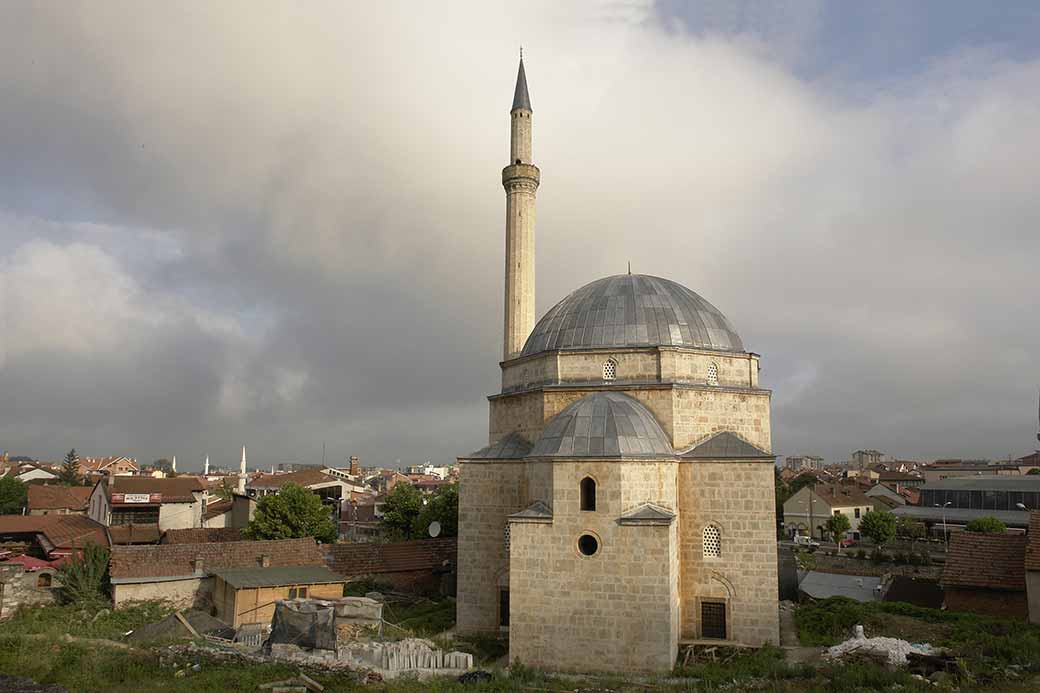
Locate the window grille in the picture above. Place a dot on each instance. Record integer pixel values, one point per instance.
(610, 369)
(712, 542)
(713, 620)
(713, 374)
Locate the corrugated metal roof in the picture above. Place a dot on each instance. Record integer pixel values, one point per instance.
(961, 516)
(986, 482)
(282, 575)
(604, 425)
(726, 445)
(823, 585)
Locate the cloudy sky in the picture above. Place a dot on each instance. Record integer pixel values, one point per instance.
(281, 224)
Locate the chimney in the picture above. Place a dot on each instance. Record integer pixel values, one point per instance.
(197, 566)
(265, 561)
(355, 466)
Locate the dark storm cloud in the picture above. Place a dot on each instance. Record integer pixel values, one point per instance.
(282, 226)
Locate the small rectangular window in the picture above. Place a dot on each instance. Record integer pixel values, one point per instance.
(713, 620)
(857, 512)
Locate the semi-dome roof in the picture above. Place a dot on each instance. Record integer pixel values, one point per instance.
(633, 310)
(603, 425)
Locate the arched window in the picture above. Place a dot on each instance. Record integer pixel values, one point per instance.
(588, 494)
(44, 580)
(610, 369)
(712, 542)
(713, 373)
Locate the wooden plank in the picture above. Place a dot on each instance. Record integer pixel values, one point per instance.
(184, 622)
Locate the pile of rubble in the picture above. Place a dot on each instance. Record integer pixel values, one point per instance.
(892, 650)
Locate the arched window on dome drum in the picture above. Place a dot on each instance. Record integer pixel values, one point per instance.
(588, 494)
(610, 369)
(713, 373)
(712, 541)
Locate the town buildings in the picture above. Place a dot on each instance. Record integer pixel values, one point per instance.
(172, 503)
(625, 501)
(803, 462)
(806, 512)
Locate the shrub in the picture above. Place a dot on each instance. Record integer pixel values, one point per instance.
(878, 556)
(861, 554)
(828, 621)
(986, 525)
(84, 577)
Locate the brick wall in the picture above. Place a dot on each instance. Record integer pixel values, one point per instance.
(999, 604)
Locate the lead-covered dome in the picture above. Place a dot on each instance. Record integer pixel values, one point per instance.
(603, 425)
(633, 310)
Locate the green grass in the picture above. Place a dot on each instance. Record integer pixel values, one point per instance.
(84, 622)
(766, 663)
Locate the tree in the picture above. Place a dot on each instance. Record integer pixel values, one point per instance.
(226, 490)
(1034, 470)
(986, 525)
(401, 511)
(836, 526)
(69, 473)
(442, 507)
(12, 496)
(84, 577)
(879, 526)
(163, 465)
(292, 513)
(910, 530)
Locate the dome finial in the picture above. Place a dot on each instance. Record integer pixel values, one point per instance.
(521, 99)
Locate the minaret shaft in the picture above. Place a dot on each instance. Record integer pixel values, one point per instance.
(520, 180)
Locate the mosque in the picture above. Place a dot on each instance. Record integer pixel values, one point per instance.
(625, 502)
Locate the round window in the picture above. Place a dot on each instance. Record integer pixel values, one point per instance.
(588, 545)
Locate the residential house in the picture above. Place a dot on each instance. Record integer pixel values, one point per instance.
(50, 537)
(93, 467)
(58, 500)
(218, 514)
(985, 574)
(173, 503)
(34, 471)
(811, 506)
(330, 486)
(881, 491)
(385, 480)
(182, 574)
(1032, 565)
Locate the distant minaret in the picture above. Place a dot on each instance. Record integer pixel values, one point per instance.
(173, 465)
(205, 469)
(242, 473)
(520, 179)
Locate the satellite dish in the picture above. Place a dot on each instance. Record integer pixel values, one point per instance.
(435, 529)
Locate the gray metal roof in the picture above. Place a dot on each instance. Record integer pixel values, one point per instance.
(962, 516)
(725, 445)
(535, 511)
(633, 310)
(986, 482)
(823, 585)
(278, 575)
(603, 425)
(511, 447)
(521, 99)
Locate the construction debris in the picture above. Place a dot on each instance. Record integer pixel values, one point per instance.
(890, 650)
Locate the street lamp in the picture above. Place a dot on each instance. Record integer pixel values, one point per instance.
(811, 501)
(946, 535)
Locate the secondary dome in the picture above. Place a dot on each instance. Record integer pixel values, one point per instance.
(633, 310)
(603, 425)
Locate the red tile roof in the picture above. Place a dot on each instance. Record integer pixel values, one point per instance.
(986, 561)
(376, 559)
(306, 477)
(178, 489)
(30, 563)
(842, 495)
(46, 497)
(175, 560)
(61, 531)
(206, 535)
(217, 508)
(135, 533)
(1033, 543)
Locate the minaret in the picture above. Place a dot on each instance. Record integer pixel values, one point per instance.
(520, 179)
(173, 465)
(205, 470)
(242, 473)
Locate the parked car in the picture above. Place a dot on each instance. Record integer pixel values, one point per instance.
(806, 541)
(847, 542)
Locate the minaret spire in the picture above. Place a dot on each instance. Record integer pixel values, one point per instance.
(520, 179)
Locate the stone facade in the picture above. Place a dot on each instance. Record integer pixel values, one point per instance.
(21, 588)
(625, 502)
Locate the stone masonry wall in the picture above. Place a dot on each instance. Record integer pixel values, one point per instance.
(739, 498)
(19, 588)
(178, 593)
(701, 412)
(616, 610)
(488, 492)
